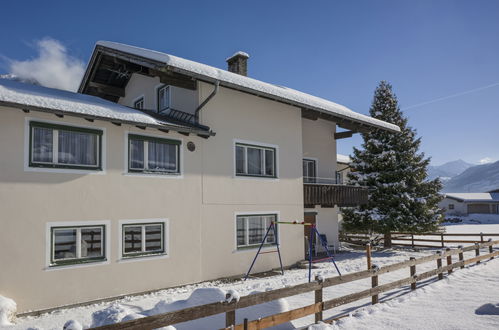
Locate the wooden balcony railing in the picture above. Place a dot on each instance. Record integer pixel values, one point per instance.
(330, 195)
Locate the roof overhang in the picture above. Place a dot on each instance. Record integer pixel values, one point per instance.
(163, 126)
(155, 67)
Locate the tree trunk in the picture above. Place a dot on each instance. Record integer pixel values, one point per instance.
(387, 242)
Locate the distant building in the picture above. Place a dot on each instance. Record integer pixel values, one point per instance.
(468, 203)
(342, 168)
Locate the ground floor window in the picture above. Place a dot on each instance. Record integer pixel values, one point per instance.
(251, 229)
(81, 244)
(142, 239)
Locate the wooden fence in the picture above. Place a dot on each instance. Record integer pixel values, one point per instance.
(435, 240)
(316, 287)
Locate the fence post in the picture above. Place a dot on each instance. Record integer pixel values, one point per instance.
(374, 283)
(368, 254)
(439, 265)
(230, 319)
(412, 240)
(413, 274)
(449, 261)
(245, 324)
(491, 250)
(318, 298)
(442, 239)
(481, 237)
(477, 251)
(230, 316)
(461, 256)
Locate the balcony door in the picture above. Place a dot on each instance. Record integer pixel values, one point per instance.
(309, 170)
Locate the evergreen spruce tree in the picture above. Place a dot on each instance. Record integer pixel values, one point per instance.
(395, 172)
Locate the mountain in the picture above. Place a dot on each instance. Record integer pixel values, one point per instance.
(448, 170)
(479, 178)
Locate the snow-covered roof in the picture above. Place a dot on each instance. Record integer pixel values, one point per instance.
(474, 197)
(343, 159)
(33, 97)
(233, 80)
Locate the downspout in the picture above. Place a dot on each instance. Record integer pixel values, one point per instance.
(215, 91)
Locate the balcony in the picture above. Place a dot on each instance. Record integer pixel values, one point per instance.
(327, 193)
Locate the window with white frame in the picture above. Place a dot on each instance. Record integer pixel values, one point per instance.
(139, 103)
(60, 146)
(148, 154)
(143, 239)
(251, 229)
(78, 244)
(253, 160)
(309, 170)
(164, 98)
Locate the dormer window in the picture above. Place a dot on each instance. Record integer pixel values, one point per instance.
(139, 103)
(163, 98)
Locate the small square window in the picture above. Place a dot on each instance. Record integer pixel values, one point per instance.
(75, 245)
(451, 206)
(143, 239)
(139, 104)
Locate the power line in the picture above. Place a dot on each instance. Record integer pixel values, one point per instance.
(451, 96)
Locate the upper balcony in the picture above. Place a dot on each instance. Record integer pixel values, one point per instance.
(327, 192)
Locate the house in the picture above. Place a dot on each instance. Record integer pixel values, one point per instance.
(343, 168)
(470, 203)
(159, 172)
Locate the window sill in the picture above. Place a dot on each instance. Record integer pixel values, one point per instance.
(99, 262)
(256, 178)
(253, 249)
(144, 257)
(43, 169)
(155, 175)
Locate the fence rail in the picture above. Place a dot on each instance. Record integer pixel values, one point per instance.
(316, 287)
(414, 239)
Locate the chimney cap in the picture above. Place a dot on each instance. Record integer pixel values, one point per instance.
(237, 54)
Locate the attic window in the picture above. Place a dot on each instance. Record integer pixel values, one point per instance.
(451, 206)
(164, 98)
(139, 103)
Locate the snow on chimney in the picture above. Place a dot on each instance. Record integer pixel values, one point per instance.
(238, 63)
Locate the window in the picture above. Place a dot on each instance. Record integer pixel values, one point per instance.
(252, 228)
(163, 98)
(58, 146)
(139, 104)
(309, 170)
(339, 177)
(451, 206)
(153, 155)
(143, 239)
(74, 245)
(255, 161)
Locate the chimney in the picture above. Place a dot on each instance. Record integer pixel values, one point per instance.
(238, 63)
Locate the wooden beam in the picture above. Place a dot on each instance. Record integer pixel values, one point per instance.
(107, 89)
(343, 135)
(175, 79)
(309, 114)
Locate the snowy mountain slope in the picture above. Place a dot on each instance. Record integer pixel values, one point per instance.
(480, 178)
(448, 170)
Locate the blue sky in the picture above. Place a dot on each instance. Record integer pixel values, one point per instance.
(338, 50)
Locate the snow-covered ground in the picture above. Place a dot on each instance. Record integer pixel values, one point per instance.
(466, 299)
(348, 261)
